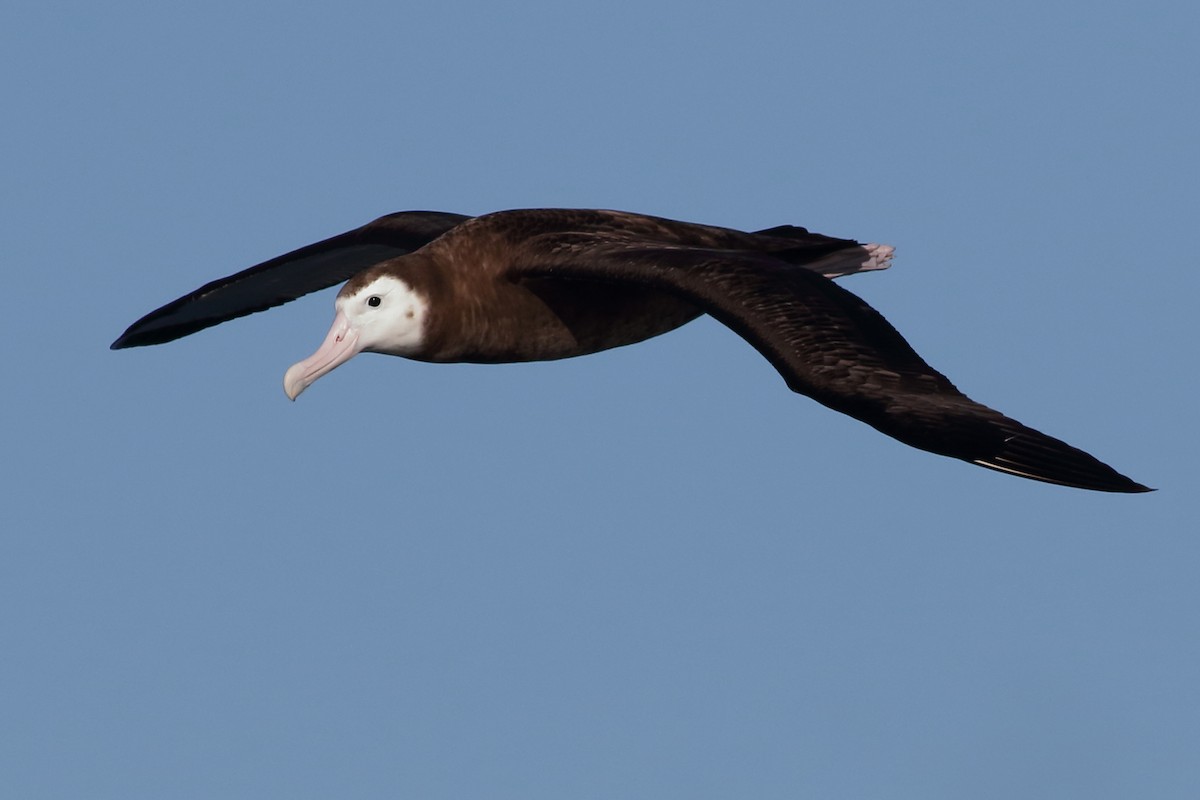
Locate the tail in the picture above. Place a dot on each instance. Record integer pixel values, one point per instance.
(847, 258)
(864, 258)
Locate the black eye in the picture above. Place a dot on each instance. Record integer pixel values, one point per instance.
(374, 300)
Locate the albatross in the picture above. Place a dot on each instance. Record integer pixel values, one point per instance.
(541, 284)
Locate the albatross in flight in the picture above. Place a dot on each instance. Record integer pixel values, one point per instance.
(539, 284)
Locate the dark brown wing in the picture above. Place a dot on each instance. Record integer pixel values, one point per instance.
(289, 276)
(789, 243)
(830, 345)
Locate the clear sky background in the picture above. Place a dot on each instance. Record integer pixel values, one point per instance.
(648, 573)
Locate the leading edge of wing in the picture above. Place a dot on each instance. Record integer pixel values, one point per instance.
(287, 277)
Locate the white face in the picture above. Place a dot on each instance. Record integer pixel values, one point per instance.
(388, 315)
(385, 316)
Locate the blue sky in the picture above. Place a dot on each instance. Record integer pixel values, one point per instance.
(652, 572)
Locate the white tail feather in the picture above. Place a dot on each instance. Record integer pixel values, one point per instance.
(865, 258)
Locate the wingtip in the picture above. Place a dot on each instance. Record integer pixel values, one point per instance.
(129, 338)
(1126, 486)
(1043, 458)
(1114, 483)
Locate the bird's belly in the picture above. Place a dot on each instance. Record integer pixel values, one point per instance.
(561, 319)
(621, 316)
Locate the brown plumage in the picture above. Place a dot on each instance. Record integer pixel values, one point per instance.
(554, 283)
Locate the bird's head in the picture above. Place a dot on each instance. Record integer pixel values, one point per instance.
(376, 312)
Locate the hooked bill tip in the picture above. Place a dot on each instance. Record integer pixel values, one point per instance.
(293, 382)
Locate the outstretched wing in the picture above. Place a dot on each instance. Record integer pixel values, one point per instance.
(289, 276)
(830, 345)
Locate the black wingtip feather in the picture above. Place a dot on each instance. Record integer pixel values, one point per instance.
(130, 338)
(1034, 455)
